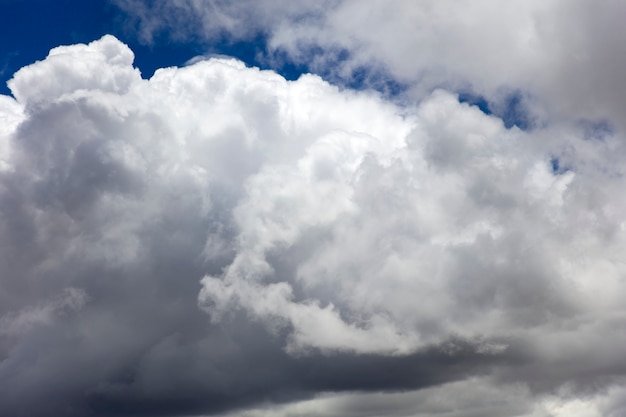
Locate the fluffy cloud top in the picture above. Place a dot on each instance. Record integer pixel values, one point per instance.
(564, 56)
(217, 237)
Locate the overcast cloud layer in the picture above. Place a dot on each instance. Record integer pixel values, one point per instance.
(218, 240)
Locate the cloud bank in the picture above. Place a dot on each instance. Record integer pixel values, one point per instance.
(216, 239)
(562, 58)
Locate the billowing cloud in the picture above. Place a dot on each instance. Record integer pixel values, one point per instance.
(217, 239)
(563, 59)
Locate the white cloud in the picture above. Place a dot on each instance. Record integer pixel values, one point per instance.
(345, 222)
(105, 66)
(445, 224)
(11, 114)
(564, 56)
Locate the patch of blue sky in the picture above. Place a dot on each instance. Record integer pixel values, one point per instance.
(29, 29)
(475, 100)
(511, 108)
(334, 65)
(514, 112)
(558, 168)
(364, 77)
(596, 129)
(325, 62)
(254, 52)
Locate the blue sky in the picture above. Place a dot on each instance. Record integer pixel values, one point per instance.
(414, 209)
(31, 28)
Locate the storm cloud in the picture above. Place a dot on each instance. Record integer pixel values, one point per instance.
(219, 240)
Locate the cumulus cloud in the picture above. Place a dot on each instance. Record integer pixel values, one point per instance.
(565, 57)
(444, 224)
(223, 239)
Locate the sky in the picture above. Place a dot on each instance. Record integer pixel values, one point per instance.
(339, 208)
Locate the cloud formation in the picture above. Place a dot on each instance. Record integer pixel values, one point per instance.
(217, 239)
(565, 57)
